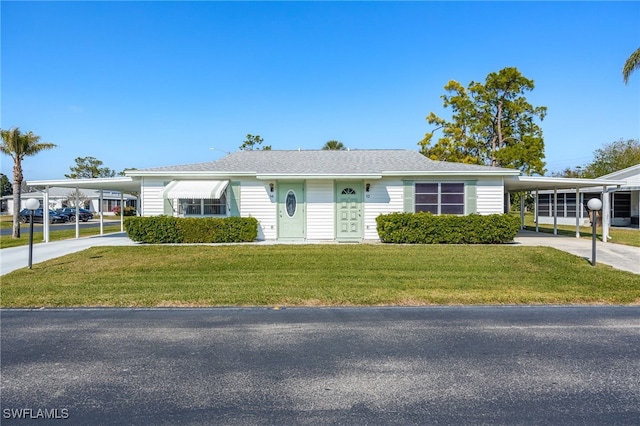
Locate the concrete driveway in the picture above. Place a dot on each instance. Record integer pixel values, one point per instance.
(344, 366)
(619, 256)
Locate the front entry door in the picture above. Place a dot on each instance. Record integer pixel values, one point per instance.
(291, 211)
(349, 218)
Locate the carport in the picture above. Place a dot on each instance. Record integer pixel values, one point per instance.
(120, 184)
(527, 184)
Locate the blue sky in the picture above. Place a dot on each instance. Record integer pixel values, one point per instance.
(144, 84)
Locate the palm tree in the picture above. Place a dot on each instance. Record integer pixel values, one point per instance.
(19, 145)
(334, 146)
(632, 64)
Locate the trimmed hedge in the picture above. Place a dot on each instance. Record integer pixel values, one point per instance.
(164, 229)
(426, 228)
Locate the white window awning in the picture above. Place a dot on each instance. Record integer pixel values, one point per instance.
(195, 189)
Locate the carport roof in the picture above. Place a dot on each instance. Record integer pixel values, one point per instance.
(122, 184)
(534, 183)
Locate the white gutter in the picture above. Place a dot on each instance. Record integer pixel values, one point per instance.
(275, 176)
(201, 174)
(452, 173)
(316, 177)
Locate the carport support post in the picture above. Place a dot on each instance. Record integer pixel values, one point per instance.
(100, 208)
(606, 213)
(555, 211)
(537, 197)
(121, 211)
(77, 218)
(522, 195)
(578, 212)
(45, 223)
(45, 217)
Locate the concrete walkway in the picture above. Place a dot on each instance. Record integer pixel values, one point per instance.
(621, 257)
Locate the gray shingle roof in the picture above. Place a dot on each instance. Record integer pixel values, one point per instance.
(322, 162)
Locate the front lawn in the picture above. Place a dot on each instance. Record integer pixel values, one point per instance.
(317, 275)
(6, 221)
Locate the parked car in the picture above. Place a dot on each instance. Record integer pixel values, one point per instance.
(38, 215)
(84, 216)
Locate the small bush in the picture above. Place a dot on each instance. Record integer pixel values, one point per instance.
(164, 229)
(426, 228)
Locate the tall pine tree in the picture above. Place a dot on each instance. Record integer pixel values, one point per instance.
(492, 123)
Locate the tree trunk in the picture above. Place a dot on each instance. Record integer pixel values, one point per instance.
(493, 151)
(17, 203)
(499, 129)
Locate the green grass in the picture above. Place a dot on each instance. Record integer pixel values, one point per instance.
(317, 275)
(629, 237)
(7, 241)
(6, 221)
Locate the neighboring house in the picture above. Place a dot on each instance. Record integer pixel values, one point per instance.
(320, 195)
(624, 201)
(65, 197)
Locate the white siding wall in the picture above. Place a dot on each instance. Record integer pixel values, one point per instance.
(633, 179)
(635, 203)
(320, 210)
(256, 201)
(384, 196)
(152, 197)
(490, 196)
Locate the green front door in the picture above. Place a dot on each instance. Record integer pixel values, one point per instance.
(291, 211)
(349, 218)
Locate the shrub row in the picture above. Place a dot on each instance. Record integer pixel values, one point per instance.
(426, 228)
(164, 229)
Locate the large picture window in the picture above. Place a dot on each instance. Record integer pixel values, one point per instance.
(203, 206)
(439, 198)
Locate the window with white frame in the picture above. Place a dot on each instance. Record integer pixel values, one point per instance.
(439, 197)
(203, 206)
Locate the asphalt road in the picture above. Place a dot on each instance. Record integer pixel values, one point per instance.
(350, 366)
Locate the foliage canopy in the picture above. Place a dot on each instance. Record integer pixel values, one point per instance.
(492, 123)
(632, 64)
(252, 143)
(610, 158)
(333, 145)
(89, 168)
(5, 185)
